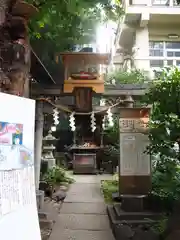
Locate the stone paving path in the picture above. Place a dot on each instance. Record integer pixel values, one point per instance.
(83, 214)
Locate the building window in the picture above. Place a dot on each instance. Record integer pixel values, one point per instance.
(161, 2)
(156, 63)
(156, 49)
(156, 45)
(164, 54)
(172, 45)
(169, 62)
(178, 63)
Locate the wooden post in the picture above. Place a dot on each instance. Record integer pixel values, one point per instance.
(83, 99)
(3, 8)
(38, 141)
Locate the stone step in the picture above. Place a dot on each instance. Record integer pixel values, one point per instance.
(43, 215)
(112, 218)
(122, 215)
(133, 223)
(46, 224)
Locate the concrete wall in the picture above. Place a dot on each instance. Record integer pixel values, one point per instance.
(160, 32)
(142, 44)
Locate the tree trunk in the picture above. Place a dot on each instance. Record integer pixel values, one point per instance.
(14, 50)
(3, 7)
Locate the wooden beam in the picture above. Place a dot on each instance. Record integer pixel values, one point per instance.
(117, 92)
(110, 90)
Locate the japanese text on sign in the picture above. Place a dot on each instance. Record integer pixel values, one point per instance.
(130, 124)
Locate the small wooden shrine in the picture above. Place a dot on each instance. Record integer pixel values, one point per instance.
(84, 76)
(84, 70)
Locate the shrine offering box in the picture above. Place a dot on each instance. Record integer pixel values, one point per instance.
(84, 163)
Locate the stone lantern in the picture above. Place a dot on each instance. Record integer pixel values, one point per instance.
(48, 150)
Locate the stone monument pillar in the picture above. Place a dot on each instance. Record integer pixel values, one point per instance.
(135, 166)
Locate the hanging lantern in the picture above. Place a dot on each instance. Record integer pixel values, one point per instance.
(129, 102)
(113, 81)
(93, 122)
(102, 102)
(72, 122)
(110, 118)
(53, 128)
(104, 123)
(56, 116)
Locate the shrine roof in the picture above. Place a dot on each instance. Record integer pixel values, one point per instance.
(101, 58)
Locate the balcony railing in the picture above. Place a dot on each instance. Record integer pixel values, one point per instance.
(168, 3)
(157, 63)
(165, 3)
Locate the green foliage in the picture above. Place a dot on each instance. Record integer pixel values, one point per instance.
(166, 181)
(161, 225)
(164, 95)
(67, 21)
(123, 77)
(109, 187)
(111, 142)
(60, 25)
(57, 175)
(111, 151)
(111, 134)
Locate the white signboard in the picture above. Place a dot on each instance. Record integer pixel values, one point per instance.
(133, 160)
(18, 210)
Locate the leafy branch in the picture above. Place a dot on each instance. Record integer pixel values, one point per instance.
(164, 95)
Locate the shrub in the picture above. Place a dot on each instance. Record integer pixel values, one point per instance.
(166, 182)
(124, 77)
(57, 175)
(108, 188)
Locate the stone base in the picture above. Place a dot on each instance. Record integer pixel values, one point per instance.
(132, 225)
(122, 215)
(40, 199)
(133, 203)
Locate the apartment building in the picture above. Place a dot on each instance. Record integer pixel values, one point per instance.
(148, 34)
